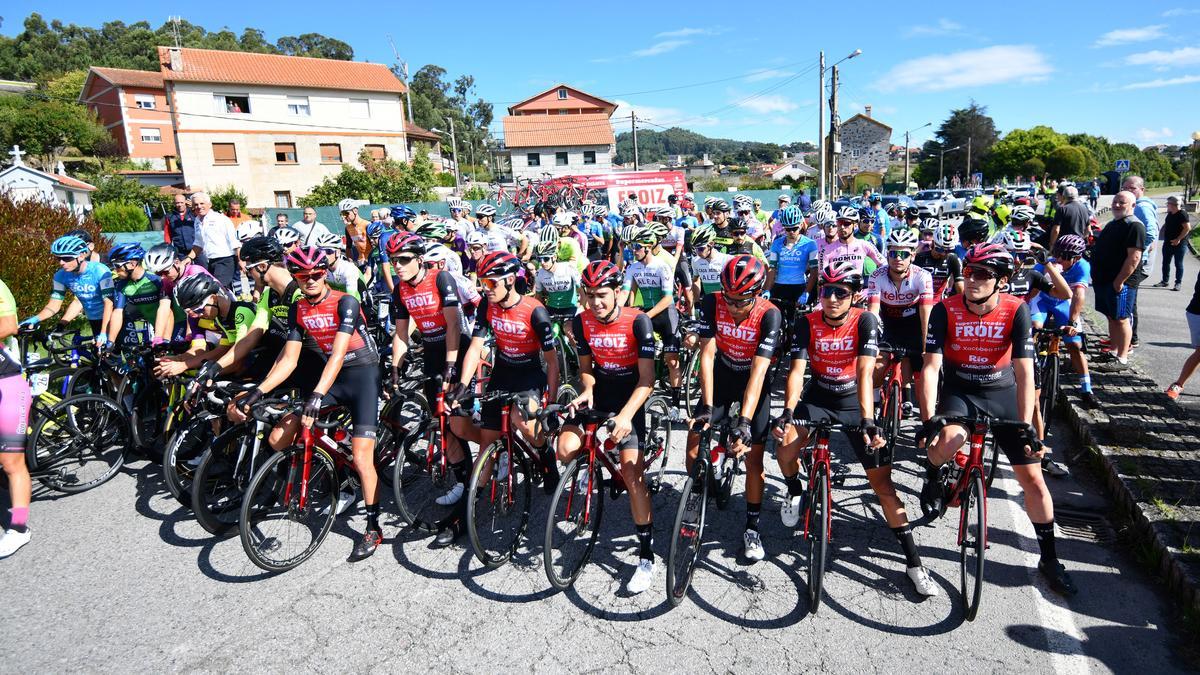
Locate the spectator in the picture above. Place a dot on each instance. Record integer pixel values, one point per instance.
(216, 238)
(235, 213)
(1174, 233)
(762, 216)
(180, 226)
(281, 220)
(804, 201)
(1072, 216)
(1093, 193)
(1147, 212)
(1193, 318)
(356, 234)
(309, 228)
(1116, 272)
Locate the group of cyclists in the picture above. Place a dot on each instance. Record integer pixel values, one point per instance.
(834, 294)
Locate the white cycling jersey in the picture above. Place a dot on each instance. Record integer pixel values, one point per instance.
(709, 271)
(900, 301)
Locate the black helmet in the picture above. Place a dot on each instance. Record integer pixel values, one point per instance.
(261, 249)
(193, 290)
(973, 230)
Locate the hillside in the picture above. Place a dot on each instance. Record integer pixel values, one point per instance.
(655, 146)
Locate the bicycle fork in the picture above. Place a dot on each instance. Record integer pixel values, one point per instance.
(820, 465)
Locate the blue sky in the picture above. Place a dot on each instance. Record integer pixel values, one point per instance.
(1131, 76)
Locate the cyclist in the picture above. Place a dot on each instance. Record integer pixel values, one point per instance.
(356, 232)
(791, 256)
(912, 217)
(1028, 280)
(476, 250)
(653, 280)
(556, 283)
(140, 292)
(982, 339)
(942, 263)
(841, 342)
(498, 237)
(844, 246)
(737, 342)
(163, 260)
(1067, 314)
(707, 262)
(343, 275)
(720, 215)
(438, 258)
(210, 307)
(14, 420)
(1019, 220)
(971, 231)
(331, 324)
(866, 223)
(901, 295)
(89, 281)
(564, 233)
(661, 228)
(287, 236)
(616, 366)
(460, 215)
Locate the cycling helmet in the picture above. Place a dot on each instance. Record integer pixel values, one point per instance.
(990, 256)
(68, 245)
(848, 213)
(743, 275)
(659, 230)
(246, 234)
(721, 205)
(628, 210)
(433, 230)
(437, 253)
(402, 213)
(842, 272)
(564, 219)
(1016, 241)
(703, 236)
(476, 239)
(820, 205)
(375, 229)
(930, 225)
(791, 217)
(902, 237)
(304, 258)
(912, 212)
(743, 203)
(892, 209)
(602, 274)
(645, 237)
(123, 253)
(498, 264)
(81, 233)
(330, 241)
(548, 233)
(664, 212)
(456, 203)
(945, 236)
(286, 236)
(261, 249)
(1022, 214)
(628, 232)
(973, 229)
(1069, 246)
(192, 291)
(160, 257)
(405, 243)
(546, 248)
(485, 210)
(709, 201)
(823, 219)
(350, 205)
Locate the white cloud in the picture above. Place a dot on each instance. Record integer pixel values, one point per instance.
(942, 27)
(1168, 82)
(1150, 135)
(768, 74)
(1124, 36)
(973, 68)
(1184, 56)
(1179, 11)
(664, 116)
(768, 104)
(661, 48)
(689, 32)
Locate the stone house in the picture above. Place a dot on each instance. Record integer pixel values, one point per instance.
(866, 143)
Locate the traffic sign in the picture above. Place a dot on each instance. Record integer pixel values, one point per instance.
(1123, 165)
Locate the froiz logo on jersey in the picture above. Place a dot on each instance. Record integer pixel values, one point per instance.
(829, 345)
(987, 331)
(738, 332)
(420, 300)
(508, 327)
(317, 322)
(609, 341)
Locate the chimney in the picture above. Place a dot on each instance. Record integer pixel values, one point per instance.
(867, 111)
(176, 59)
(60, 168)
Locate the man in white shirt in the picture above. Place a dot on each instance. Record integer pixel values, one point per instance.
(309, 228)
(216, 238)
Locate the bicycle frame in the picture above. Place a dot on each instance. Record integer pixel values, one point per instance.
(820, 465)
(978, 435)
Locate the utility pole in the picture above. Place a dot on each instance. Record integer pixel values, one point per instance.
(633, 121)
(454, 146)
(969, 159)
(821, 130)
(404, 73)
(835, 144)
(904, 190)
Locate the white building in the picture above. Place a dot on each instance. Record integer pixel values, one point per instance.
(560, 131)
(275, 126)
(23, 182)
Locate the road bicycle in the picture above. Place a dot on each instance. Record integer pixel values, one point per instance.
(568, 362)
(422, 472)
(892, 403)
(202, 412)
(1047, 345)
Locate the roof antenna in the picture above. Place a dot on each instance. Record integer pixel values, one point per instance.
(174, 21)
(403, 66)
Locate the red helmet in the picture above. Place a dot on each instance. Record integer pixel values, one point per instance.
(991, 256)
(498, 264)
(743, 275)
(304, 258)
(405, 242)
(842, 272)
(602, 274)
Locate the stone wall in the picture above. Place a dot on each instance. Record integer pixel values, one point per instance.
(865, 146)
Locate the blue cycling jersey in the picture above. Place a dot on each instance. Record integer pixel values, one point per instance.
(687, 222)
(791, 261)
(1080, 274)
(92, 286)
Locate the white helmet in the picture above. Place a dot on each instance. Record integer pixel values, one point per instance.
(329, 240)
(564, 219)
(1021, 214)
(159, 257)
(902, 238)
(485, 210)
(456, 203)
(437, 253)
(743, 202)
(945, 236)
(628, 210)
(1017, 241)
(286, 235)
(351, 204)
(848, 213)
(476, 239)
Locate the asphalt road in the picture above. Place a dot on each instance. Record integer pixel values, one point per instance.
(122, 579)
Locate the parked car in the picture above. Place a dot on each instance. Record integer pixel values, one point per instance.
(939, 203)
(967, 194)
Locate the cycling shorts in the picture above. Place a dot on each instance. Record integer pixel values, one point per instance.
(817, 406)
(666, 324)
(998, 403)
(514, 380)
(728, 388)
(904, 339)
(433, 364)
(15, 399)
(562, 313)
(611, 396)
(683, 273)
(358, 390)
(1061, 317)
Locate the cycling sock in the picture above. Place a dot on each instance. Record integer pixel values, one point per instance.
(645, 536)
(904, 536)
(931, 471)
(373, 516)
(20, 518)
(1085, 383)
(461, 470)
(794, 486)
(1045, 539)
(752, 512)
(676, 395)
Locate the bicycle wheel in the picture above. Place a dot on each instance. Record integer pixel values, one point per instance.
(419, 477)
(723, 489)
(691, 381)
(992, 460)
(277, 531)
(182, 456)
(89, 380)
(498, 507)
(891, 416)
(573, 522)
(220, 481)
(972, 534)
(686, 537)
(656, 447)
(817, 537)
(1049, 398)
(79, 444)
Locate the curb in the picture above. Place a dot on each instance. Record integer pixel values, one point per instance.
(1148, 527)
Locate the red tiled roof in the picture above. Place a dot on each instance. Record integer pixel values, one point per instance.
(210, 65)
(539, 131)
(529, 103)
(123, 77)
(414, 131)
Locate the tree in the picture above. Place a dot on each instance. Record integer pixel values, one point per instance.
(315, 45)
(1066, 161)
(1019, 145)
(45, 128)
(66, 87)
(380, 181)
(965, 124)
(1032, 167)
(437, 103)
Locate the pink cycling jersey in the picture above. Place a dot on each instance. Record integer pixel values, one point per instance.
(855, 250)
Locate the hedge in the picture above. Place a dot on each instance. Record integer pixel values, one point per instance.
(121, 217)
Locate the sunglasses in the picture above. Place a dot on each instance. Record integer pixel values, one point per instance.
(791, 229)
(942, 249)
(702, 247)
(476, 247)
(979, 274)
(197, 311)
(490, 284)
(65, 258)
(313, 275)
(545, 258)
(638, 247)
(835, 292)
(403, 259)
(846, 223)
(900, 255)
(738, 302)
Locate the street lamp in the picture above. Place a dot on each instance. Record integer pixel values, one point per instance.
(454, 149)
(1192, 164)
(821, 171)
(941, 161)
(904, 190)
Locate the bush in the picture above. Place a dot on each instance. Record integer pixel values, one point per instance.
(380, 181)
(444, 179)
(223, 195)
(25, 263)
(475, 193)
(121, 217)
(112, 188)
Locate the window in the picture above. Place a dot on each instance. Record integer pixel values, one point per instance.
(360, 108)
(533, 159)
(237, 104)
(589, 156)
(376, 151)
(563, 111)
(151, 135)
(560, 159)
(331, 153)
(285, 153)
(144, 101)
(298, 105)
(562, 94)
(283, 200)
(224, 153)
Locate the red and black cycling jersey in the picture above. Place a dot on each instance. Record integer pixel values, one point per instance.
(424, 303)
(978, 350)
(832, 351)
(615, 347)
(1025, 281)
(315, 325)
(739, 342)
(946, 272)
(522, 331)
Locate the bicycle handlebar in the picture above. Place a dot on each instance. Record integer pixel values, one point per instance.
(938, 422)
